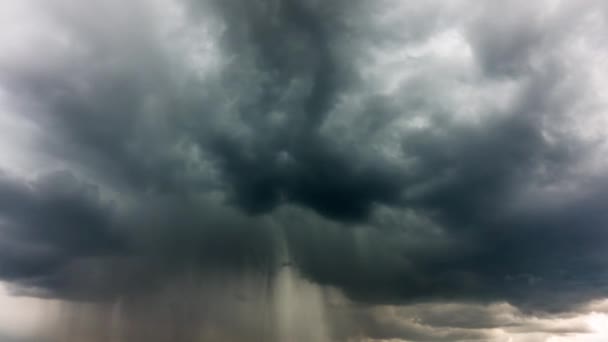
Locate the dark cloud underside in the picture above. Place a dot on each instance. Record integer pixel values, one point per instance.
(397, 159)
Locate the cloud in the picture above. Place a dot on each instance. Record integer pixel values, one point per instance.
(399, 152)
(50, 221)
(466, 322)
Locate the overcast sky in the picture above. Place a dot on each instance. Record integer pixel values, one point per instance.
(303, 170)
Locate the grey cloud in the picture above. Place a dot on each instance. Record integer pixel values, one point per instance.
(393, 196)
(301, 74)
(385, 323)
(49, 222)
(453, 321)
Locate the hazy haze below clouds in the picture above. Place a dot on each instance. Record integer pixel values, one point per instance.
(302, 170)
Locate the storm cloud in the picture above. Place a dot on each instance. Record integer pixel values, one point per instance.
(437, 160)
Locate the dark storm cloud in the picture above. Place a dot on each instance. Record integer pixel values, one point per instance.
(51, 221)
(294, 48)
(393, 196)
(290, 66)
(469, 181)
(60, 239)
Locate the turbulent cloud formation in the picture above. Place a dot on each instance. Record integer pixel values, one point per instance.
(423, 171)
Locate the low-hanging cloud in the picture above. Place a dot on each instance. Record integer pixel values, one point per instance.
(396, 151)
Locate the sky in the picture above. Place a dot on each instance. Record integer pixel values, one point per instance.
(303, 170)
